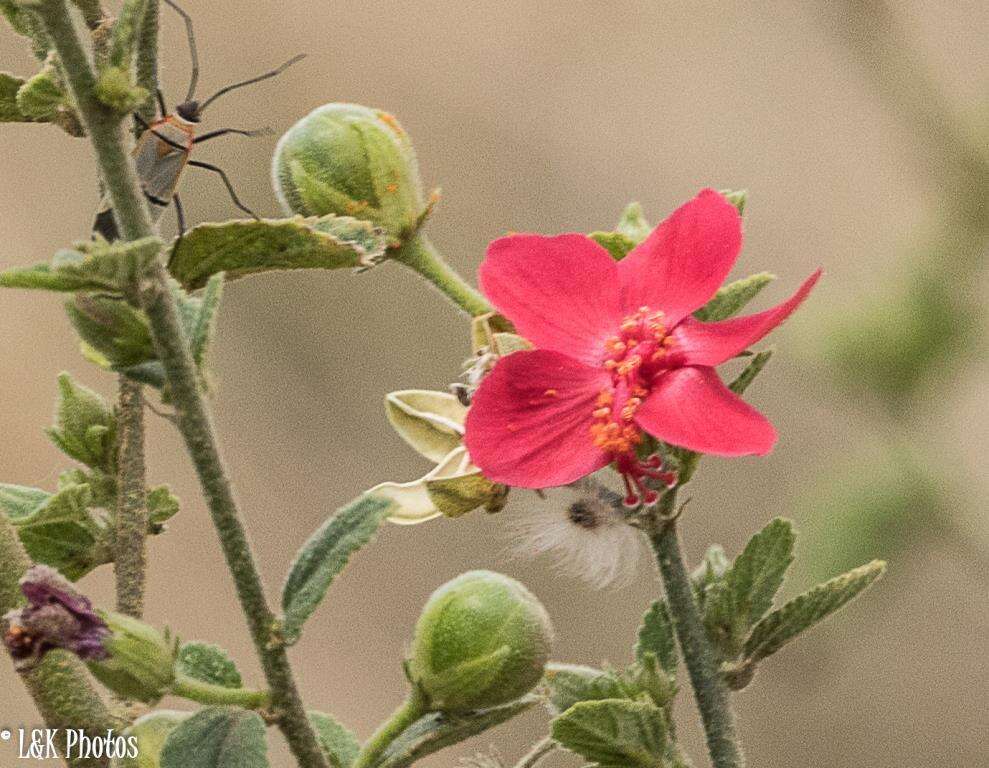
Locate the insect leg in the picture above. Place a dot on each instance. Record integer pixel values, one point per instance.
(179, 215)
(226, 131)
(227, 184)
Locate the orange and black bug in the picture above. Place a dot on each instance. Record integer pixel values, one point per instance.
(164, 146)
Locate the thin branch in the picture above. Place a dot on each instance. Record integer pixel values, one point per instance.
(130, 562)
(539, 750)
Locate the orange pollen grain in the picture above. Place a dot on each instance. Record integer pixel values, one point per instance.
(550, 393)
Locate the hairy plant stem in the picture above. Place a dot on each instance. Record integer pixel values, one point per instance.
(59, 683)
(411, 710)
(421, 255)
(710, 691)
(539, 750)
(147, 61)
(207, 693)
(129, 551)
(106, 135)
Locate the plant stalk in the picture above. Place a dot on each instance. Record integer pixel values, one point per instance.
(539, 750)
(421, 255)
(411, 710)
(218, 695)
(104, 128)
(59, 683)
(130, 560)
(710, 692)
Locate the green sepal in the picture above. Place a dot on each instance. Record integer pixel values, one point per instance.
(338, 742)
(758, 361)
(614, 733)
(162, 507)
(744, 594)
(431, 422)
(9, 110)
(616, 244)
(632, 224)
(438, 730)
(116, 89)
(208, 663)
(57, 529)
(85, 426)
(732, 298)
(242, 248)
(324, 555)
(800, 614)
(217, 737)
(656, 636)
(568, 684)
(94, 265)
(738, 198)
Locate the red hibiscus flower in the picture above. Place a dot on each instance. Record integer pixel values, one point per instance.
(618, 354)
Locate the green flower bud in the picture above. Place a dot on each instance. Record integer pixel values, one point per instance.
(150, 732)
(482, 640)
(141, 662)
(350, 160)
(85, 426)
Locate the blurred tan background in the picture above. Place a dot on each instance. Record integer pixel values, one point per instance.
(545, 116)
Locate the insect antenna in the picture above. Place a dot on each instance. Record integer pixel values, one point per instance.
(194, 80)
(266, 76)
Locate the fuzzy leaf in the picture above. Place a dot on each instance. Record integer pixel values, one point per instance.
(15, 15)
(745, 593)
(656, 636)
(40, 98)
(56, 529)
(93, 266)
(242, 248)
(614, 733)
(567, 684)
(436, 731)
(730, 299)
(209, 663)
(162, 506)
(431, 422)
(324, 555)
(803, 612)
(633, 223)
(338, 743)
(616, 244)
(85, 427)
(748, 374)
(217, 737)
(203, 326)
(9, 111)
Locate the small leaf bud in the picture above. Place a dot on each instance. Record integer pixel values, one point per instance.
(141, 660)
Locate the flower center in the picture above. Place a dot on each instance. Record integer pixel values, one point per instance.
(632, 357)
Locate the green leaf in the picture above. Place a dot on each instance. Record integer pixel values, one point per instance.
(633, 224)
(614, 733)
(93, 266)
(436, 731)
(85, 427)
(217, 737)
(15, 15)
(710, 571)
(338, 743)
(738, 198)
(615, 243)
(242, 248)
(209, 663)
(803, 612)
(203, 326)
(656, 636)
(431, 422)
(150, 732)
(745, 593)
(748, 374)
(162, 507)
(9, 111)
(324, 555)
(730, 299)
(567, 684)
(57, 529)
(41, 98)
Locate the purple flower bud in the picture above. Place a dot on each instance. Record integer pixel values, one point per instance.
(56, 616)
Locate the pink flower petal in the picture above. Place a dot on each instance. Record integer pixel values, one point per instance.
(560, 292)
(530, 420)
(700, 343)
(684, 260)
(690, 407)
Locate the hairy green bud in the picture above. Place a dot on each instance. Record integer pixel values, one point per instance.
(350, 160)
(141, 660)
(482, 640)
(150, 732)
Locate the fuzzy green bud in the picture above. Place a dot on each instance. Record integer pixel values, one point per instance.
(141, 662)
(85, 426)
(350, 160)
(482, 640)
